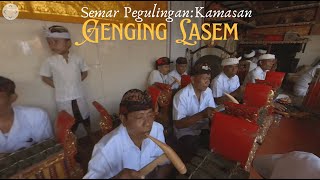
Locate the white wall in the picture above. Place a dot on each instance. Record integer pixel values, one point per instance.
(312, 51)
(179, 50)
(115, 66)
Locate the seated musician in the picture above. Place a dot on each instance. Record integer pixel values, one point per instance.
(160, 74)
(258, 53)
(265, 64)
(274, 66)
(20, 126)
(227, 81)
(125, 150)
(249, 58)
(291, 165)
(301, 86)
(175, 75)
(193, 107)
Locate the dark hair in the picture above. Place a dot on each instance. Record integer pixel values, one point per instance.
(59, 29)
(181, 60)
(7, 85)
(201, 68)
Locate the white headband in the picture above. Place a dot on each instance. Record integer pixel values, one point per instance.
(250, 55)
(261, 51)
(267, 56)
(230, 61)
(62, 35)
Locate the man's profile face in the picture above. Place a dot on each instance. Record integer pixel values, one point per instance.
(201, 81)
(231, 70)
(6, 100)
(267, 64)
(181, 68)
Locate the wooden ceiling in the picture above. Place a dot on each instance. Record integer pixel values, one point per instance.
(272, 17)
(260, 6)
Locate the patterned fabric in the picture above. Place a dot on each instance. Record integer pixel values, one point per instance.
(165, 98)
(185, 80)
(135, 100)
(155, 93)
(163, 61)
(242, 111)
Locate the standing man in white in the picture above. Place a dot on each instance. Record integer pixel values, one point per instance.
(65, 71)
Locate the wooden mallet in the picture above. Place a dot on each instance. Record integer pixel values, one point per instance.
(232, 98)
(169, 153)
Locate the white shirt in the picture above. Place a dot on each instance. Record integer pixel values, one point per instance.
(175, 74)
(222, 84)
(156, 76)
(66, 76)
(116, 151)
(302, 84)
(252, 66)
(291, 165)
(185, 103)
(30, 125)
(296, 165)
(257, 73)
(255, 60)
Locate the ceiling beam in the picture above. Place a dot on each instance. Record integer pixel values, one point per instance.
(250, 5)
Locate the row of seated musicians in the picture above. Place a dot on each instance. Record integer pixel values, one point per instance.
(248, 114)
(253, 118)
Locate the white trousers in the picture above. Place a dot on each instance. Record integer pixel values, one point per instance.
(82, 104)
